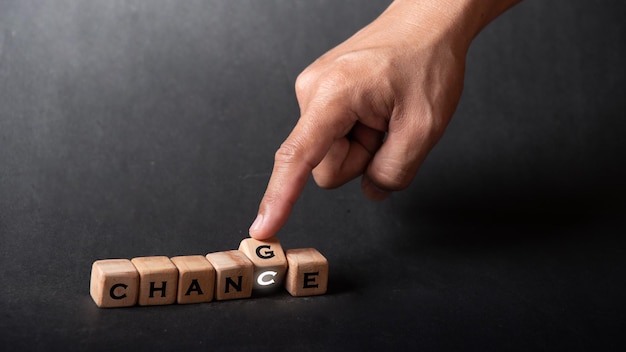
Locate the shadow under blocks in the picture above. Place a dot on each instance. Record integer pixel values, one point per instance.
(257, 266)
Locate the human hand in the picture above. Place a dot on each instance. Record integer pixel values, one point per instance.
(373, 106)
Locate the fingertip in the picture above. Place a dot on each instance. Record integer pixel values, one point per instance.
(271, 217)
(256, 229)
(262, 228)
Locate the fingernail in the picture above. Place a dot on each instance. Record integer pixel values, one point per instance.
(256, 225)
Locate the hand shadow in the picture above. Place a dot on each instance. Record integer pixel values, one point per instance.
(499, 218)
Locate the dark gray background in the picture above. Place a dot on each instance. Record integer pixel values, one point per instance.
(133, 128)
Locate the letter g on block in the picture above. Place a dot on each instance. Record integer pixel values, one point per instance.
(267, 254)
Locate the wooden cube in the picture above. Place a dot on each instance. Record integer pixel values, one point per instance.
(114, 283)
(233, 272)
(196, 279)
(308, 272)
(269, 262)
(158, 280)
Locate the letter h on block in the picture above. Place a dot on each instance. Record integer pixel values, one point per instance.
(158, 280)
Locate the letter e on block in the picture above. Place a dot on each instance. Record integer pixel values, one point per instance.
(196, 279)
(269, 262)
(158, 280)
(308, 272)
(114, 283)
(233, 274)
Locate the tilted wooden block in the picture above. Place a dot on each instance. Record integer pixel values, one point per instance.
(114, 283)
(158, 280)
(233, 272)
(269, 262)
(196, 279)
(308, 272)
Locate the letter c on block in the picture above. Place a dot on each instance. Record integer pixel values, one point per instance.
(260, 280)
(112, 291)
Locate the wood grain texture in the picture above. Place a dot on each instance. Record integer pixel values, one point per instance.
(114, 283)
(196, 279)
(308, 272)
(270, 263)
(233, 271)
(158, 280)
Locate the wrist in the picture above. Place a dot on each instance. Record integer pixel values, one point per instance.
(458, 21)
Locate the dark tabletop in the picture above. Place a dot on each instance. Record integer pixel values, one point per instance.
(135, 128)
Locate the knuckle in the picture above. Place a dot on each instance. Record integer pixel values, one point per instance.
(336, 80)
(289, 152)
(304, 81)
(333, 78)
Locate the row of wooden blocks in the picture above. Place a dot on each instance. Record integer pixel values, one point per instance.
(256, 265)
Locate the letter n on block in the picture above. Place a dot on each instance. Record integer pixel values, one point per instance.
(308, 272)
(196, 279)
(233, 274)
(114, 283)
(158, 280)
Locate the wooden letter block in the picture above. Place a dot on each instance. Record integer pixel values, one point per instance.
(233, 271)
(158, 280)
(196, 279)
(308, 272)
(114, 283)
(269, 262)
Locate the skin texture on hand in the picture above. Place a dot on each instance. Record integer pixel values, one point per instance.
(375, 105)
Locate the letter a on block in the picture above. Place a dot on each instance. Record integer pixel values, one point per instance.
(196, 279)
(308, 272)
(114, 283)
(269, 262)
(158, 280)
(233, 272)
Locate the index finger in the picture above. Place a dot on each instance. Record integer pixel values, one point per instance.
(303, 149)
